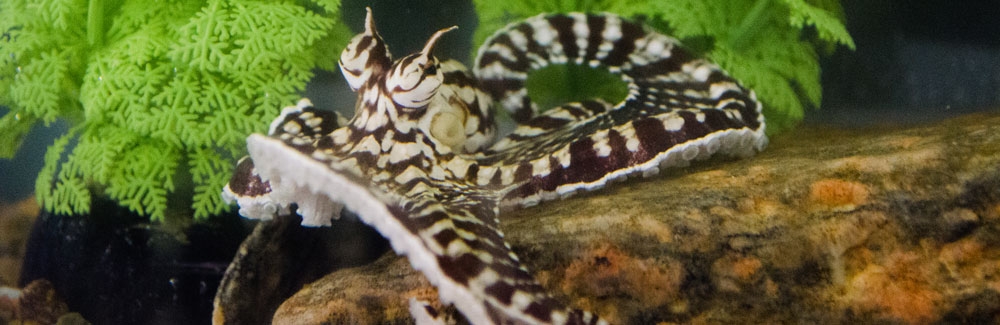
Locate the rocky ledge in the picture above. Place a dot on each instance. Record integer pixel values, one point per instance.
(886, 225)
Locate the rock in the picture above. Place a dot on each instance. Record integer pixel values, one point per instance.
(37, 303)
(280, 256)
(888, 225)
(40, 303)
(15, 225)
(361, 295)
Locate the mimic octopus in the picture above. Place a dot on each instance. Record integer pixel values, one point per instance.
(418, 161)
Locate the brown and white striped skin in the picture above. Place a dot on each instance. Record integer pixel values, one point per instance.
(417, 160)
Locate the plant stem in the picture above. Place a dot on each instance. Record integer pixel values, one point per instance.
(95, 23)
(749, 26)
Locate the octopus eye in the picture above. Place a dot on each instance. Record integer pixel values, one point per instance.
(432, 70)
(415, 79)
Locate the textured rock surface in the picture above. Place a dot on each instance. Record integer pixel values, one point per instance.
(280, 256)
(37, 303)
(373, 294)
(826, 226)
(15, 225)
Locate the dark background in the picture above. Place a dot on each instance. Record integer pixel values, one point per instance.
(916, 62)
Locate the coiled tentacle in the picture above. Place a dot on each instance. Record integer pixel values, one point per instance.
(679, 107)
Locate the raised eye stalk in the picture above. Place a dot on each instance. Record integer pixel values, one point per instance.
(426, 52)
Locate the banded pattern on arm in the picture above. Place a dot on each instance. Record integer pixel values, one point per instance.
(299, 127)
(679, 108)
(449, 231)
(471, 263)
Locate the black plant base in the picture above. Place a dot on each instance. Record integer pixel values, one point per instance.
(115, 267)
(281, 256)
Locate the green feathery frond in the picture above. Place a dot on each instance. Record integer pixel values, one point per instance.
(781, 69)
(14, 131)
(101, 147)
(153, 87)
(211, 173)
(143, 177)
(204, 41)
(36, 86)
(45, 184)
(822, 17)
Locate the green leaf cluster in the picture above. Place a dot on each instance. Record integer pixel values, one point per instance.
(769, 45)
(161, 94)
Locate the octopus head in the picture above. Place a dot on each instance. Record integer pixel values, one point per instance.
(405, 92)
(415, 79)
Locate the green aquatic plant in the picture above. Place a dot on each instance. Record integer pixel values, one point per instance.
(160, 95)
(770, 45)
